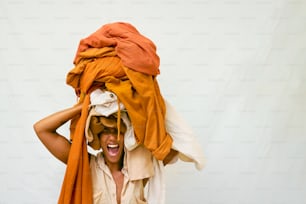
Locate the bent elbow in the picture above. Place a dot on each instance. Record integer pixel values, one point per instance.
(36, 125)
(37, 128)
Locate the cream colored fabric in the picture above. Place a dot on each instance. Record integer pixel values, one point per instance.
(104, 187)
(184, 139)
(105, 102)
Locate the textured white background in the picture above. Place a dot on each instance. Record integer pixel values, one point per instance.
(235, 69)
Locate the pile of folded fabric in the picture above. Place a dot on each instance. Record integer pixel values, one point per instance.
(117, 66)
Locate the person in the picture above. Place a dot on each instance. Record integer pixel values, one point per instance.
(112, 155)
(119, 59)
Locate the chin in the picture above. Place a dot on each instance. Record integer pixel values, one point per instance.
(113, 159)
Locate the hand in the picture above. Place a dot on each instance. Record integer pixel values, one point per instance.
(173, 153)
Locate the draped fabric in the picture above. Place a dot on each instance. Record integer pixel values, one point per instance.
(121, 60)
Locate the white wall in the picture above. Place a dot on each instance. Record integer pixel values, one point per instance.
(235, 69)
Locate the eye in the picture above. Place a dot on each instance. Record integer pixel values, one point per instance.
(109, 130)
(106, 130)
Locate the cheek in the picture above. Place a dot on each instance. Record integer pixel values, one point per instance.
(102, 140)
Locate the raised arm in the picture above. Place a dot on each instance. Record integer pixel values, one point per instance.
(46, 128)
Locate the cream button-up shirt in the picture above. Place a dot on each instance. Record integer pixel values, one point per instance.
(104, 186)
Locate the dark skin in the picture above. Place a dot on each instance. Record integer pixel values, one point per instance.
(59, 146)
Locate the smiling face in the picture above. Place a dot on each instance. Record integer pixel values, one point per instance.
(113, 149)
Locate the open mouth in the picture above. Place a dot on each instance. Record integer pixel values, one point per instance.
(113, 149)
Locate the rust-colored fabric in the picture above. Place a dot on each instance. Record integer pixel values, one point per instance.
(119, 58)
(135, 50)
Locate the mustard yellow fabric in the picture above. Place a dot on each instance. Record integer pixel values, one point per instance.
(104, 187)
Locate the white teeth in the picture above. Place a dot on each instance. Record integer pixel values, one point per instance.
(113, 145)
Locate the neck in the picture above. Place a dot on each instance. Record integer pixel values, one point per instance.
(114, 167)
